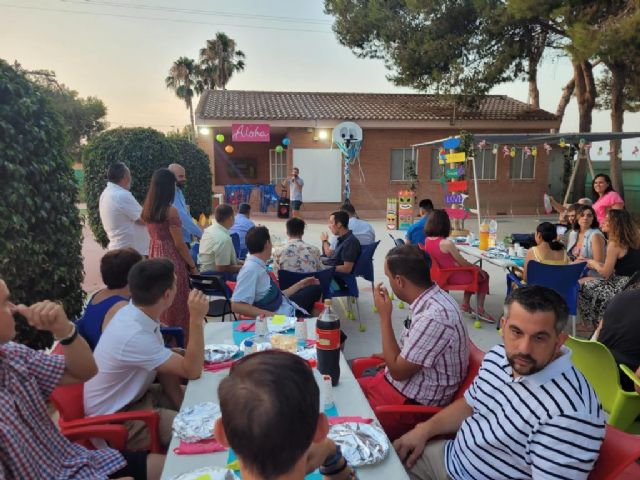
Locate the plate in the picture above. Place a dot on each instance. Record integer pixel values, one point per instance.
(285, 323)
(219, 352)
(361, 443)
(262, 343)
(195, 423)
(208, 473)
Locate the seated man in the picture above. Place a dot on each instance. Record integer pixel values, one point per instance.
(297, 255)
(273, 395)
(528, 414)
(242, 224)
(347, 251)
(415, 234)
(216, 247)
(131, 354)
(31, 446)
(256, 292)
(362, 230)
(432, 362)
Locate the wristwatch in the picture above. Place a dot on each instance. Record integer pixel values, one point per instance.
(68, 340)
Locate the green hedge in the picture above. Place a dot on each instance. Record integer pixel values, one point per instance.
(198, 191)
(40, 229)
(143, 150)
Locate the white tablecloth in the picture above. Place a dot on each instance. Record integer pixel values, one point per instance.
(348, 398)
(504, 263)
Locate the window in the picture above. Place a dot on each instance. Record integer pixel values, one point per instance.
(403, 163)
(277, 166)
(437, 170)
(485, 165)
(522, 165)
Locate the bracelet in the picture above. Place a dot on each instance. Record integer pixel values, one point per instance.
(71, 337)
(331, 472)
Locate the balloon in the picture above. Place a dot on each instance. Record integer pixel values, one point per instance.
(512, 152)
(562, 143)
(286, 141)
(228, 149)
(279, 149)
(220, 137)
(494, 150)
(534, 151)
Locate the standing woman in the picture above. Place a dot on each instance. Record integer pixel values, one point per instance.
(586, 240)
(165, 230)
(604, 196)
(622, 260)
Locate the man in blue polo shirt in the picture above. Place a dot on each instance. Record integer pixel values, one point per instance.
(415, 234)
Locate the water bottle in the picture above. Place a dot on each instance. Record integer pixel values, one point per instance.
(328, 346)
(493, 232)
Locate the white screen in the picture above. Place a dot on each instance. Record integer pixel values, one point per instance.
(321, 170)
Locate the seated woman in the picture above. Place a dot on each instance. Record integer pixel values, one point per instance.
(548, 250)
(622, 261)
(446, 254)
(103, 305)
(586, 240)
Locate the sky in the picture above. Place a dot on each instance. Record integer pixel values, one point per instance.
(121, 51)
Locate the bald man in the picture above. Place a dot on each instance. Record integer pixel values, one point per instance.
(189, 227)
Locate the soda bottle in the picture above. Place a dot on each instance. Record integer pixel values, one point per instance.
(493, 232)
(484, 236)
(328, 346)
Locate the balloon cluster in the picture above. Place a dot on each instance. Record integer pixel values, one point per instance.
(229, 148)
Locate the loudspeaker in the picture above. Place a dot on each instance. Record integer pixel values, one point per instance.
(283, 207)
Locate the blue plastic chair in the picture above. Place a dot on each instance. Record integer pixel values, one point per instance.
(561, 278)
(287, 278)
(398, 242)
(235, 238)
(195, 250)
(173, 332)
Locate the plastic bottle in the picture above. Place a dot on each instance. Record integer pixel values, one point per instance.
(328, 346)
(493, 232)
(484, 235)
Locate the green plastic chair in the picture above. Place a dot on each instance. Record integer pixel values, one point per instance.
(597, 364)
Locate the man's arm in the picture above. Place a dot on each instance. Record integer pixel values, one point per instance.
(242, 308)
(411, 445)
(130, 207)
(190, 366)
(301, 284)
(399, 368)
(346, 267)
(79, 365)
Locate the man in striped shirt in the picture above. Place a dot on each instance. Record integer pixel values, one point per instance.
(528, 414)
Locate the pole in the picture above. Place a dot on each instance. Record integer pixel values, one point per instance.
(475, 186)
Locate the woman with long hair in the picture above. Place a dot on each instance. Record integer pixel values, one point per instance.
(605, 198)
(622, 260)
(548, 249)
(165, 230)
(444, 251)
(586, 241)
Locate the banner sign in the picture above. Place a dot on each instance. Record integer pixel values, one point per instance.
(250, 132)
(452, 173)
(458, 186)
(457, 213)
(453, 198)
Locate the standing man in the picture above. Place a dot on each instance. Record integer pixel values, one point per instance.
(189, 227)
(242, 224)
(415, 234)
(120, 212)
(528, 414)
(295, 190)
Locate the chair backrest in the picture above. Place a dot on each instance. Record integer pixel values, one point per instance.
(195, 250)
(597, 364)
(235, 238)
(475, 360)
(287, 278)
(634, 282)
(397, 241)
(618, 451)
(561, 278)
(364, 265)
(209, 284)
(68, 399)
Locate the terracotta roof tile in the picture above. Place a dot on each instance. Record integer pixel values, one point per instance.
(253, 105)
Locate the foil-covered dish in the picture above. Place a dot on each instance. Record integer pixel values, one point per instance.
(281, 325)
(361, 443)
(219, 352)
(261, 343)
(208, 473)
(195, 423)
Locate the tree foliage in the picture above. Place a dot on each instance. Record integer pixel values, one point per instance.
(219, 60)
(143, 150)
(40, 228)
(198, 191)
(184, 80)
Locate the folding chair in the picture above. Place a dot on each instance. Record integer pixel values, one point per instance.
(213, 286)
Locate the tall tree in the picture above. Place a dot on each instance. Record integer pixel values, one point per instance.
(184, 80)
(219, 60)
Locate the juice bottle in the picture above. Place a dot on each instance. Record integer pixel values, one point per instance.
(484, 235)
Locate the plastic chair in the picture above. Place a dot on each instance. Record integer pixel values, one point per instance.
(288, 278)
(214, 286)
(176, 333)
(387, 414)
(618, 455)
(441, 275)
(235, 238)
(597, 364)
(114, 435)
(195, 250)
(561, 278)
(398, 242)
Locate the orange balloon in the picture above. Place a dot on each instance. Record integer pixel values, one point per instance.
(228, 149)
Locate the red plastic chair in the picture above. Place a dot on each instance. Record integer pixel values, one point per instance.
(441, 276)
(115, 435)
(618, 455)
(69, 401)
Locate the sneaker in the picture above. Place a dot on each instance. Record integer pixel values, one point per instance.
(484, 316)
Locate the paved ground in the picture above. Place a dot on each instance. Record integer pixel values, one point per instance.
(364, 343)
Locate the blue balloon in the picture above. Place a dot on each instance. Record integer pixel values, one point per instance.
(286, 141)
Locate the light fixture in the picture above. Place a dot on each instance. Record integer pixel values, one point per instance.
(203, 131)
(323, 135)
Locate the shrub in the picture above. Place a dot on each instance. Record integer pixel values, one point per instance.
(197, 192)
(143, 150)
(40, 229)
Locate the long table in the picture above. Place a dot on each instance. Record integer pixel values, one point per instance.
(505, 263)
(348, 397)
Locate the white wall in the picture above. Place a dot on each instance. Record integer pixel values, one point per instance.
(321, 170)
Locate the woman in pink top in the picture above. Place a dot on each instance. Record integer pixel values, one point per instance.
(444, 252)
(606, 198)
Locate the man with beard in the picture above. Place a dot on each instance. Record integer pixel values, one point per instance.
(528, 414)
(189, 227)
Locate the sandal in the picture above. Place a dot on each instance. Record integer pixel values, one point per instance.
(466, 308)
(483, 315)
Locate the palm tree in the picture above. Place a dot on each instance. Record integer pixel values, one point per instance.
(219, 60)
(184, 79)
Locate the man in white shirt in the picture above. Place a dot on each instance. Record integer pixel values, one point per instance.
(131, 354)
(120, 212)
(362, 230)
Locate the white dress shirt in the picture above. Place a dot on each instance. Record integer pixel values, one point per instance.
(119, 211)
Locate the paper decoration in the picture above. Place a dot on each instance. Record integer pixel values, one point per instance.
(534, 151)
(635, 150)
(451, 173)
(451, 143)
(582, 142)
(392, 213)
(452, 198)
(527, 151)
(494, 150)
(600, 150)
(405, 209)
(457, 186)
(505, 151)
(562, 143)
(457, 213)
(547, 148)
(456, 157)
(512, 152)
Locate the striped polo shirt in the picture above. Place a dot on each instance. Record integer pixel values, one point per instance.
(546, 425)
